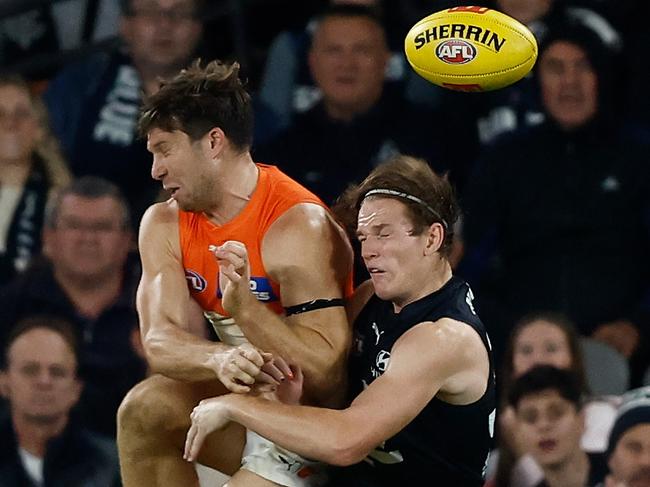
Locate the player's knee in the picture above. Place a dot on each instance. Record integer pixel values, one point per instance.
(149, 407)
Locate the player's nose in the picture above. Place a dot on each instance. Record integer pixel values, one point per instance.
(158, 169)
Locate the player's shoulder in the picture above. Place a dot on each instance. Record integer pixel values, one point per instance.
(304, 217)
(159, 217)
(445, 341)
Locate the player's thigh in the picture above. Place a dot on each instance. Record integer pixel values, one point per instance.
(246, 478)
(222, 449)
(160, 407)
(159, 403)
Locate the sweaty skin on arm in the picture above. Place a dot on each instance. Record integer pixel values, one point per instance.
(309, 256)
(447, 359)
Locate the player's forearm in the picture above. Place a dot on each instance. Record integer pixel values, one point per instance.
(322, 359)
(322, 434)
(180, 355)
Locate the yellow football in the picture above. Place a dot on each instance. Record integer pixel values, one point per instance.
(470, 49)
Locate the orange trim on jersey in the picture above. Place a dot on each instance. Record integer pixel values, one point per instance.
(274, 194)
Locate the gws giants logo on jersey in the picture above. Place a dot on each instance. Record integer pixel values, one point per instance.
(195, 280)
(260, 287)
(456, 51)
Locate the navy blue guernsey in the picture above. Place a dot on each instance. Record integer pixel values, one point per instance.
(445, 445)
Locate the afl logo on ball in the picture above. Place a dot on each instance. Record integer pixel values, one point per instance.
(195, 280)
(455, 51)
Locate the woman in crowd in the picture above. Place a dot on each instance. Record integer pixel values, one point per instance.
(544, 338)
(31, 167)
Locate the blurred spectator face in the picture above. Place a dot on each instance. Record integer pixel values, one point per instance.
(161, 34)
(525, 11)
(40, 381)
(569, 84)
(540, 343)
(347, 60)
(89, 240)
(629, 463)
(549, 426)
(20, 129)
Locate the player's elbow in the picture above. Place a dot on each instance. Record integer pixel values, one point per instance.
(154, 349)
(347, 449)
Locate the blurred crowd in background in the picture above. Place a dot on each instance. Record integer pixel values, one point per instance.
(553, 175)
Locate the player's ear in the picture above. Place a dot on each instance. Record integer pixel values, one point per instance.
(215, 141)
(435, 237)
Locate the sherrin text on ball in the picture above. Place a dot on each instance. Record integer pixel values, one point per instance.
(470, 49)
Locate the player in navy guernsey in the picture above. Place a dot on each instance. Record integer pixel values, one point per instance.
(421, 371)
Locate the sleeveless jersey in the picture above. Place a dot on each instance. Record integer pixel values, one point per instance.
(274, 194)
(445, 444)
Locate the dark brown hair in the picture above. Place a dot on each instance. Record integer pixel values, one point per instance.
(50, 322)
(573, 340)
(507, 459)
(200, 98)
(410, 176)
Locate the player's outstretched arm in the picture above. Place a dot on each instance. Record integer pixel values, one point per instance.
(311, 259)
(163, 303)
(447, 358)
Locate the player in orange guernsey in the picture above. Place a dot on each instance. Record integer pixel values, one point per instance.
(199, 130)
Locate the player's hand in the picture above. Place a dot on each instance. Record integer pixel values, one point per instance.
(234, 275)
(620, 334)
(290, 390)
(240, 367)
(210, 415)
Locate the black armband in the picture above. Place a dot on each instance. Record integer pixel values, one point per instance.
(313, 305)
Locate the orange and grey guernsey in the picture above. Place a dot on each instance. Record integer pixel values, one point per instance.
(274, 194)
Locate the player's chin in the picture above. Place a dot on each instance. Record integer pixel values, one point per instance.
(382, 288)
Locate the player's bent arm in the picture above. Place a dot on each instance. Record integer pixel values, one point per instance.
(311, 258)
(359, 299)
(447, 359)
(163, 302)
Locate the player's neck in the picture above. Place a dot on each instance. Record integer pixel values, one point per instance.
(236, 186)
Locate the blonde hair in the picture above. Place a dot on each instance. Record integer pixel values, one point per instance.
(48, 150)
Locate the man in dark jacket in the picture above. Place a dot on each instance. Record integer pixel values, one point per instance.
(43, 445)
(87, 278)
(94, 104)
(361, 120)
(560, 211)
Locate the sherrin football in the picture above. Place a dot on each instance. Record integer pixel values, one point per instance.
(470, 49)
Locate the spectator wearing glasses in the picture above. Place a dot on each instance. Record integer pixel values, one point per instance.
(86, 277)
(94, 104)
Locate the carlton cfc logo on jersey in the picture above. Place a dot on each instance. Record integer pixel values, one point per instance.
(261, 288)
(195, 280)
